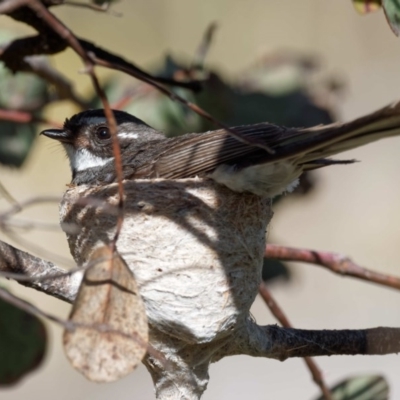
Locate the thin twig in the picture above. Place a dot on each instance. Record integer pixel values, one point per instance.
(8, 196)
(337, 263)
(113, 61)
(36, 45)
(27, 225)
(17, 260)
(63, 87)
(204, 47)
(105, 7)
(112, 124)
(104, 58)
(194, 107)
(8, 6)
(74, 43)
(24, 117)
(31, 246)
(67, 324)
(281, 317)
(31, 309)
(72, 325)
(19, 206)
(133, 93)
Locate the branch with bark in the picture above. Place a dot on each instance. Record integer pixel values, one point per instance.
(335, 262)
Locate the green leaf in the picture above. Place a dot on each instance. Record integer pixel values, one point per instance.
(273, 270)
(392, 13)
(23, 92)
(363, 387)
(23, 340)
(15, 142)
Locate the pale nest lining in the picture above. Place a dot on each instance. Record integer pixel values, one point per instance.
(195, 247)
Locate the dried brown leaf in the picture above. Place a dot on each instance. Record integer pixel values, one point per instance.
(111, 332)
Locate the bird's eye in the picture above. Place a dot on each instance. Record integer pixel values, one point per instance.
(103, 133)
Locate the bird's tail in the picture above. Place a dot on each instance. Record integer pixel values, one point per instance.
(311, 146)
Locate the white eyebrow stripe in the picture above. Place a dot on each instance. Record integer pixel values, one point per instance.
(128, 135)
(83, 159)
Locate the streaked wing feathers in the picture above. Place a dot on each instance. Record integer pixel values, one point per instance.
(199, 154)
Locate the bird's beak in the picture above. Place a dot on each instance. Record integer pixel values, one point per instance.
(58, 134)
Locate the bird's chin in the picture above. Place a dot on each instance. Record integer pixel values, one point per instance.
(83, 159)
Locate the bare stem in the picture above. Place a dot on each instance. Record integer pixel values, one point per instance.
(281, 317)
(337, 263)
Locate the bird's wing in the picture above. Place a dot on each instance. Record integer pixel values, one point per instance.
(199, 154)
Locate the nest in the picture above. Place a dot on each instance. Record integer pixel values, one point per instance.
(195, 248)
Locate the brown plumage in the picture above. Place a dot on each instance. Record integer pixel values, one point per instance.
(146, 153)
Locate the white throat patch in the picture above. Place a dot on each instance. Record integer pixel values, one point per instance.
(83, 159)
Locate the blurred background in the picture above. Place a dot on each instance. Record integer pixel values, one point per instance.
(319, 59)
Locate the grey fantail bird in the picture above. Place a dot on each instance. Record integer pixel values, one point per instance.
(147, 153)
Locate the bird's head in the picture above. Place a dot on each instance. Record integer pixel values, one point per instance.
(87, 138)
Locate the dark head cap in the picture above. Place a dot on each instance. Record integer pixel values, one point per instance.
(90, 118)
(97, 117)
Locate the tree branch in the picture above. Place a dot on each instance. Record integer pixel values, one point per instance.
(42, 275)
(337, 263)
(283, 343)
(262, 341)
(24, 117)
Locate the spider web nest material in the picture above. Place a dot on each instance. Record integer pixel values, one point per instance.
(196, 249)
